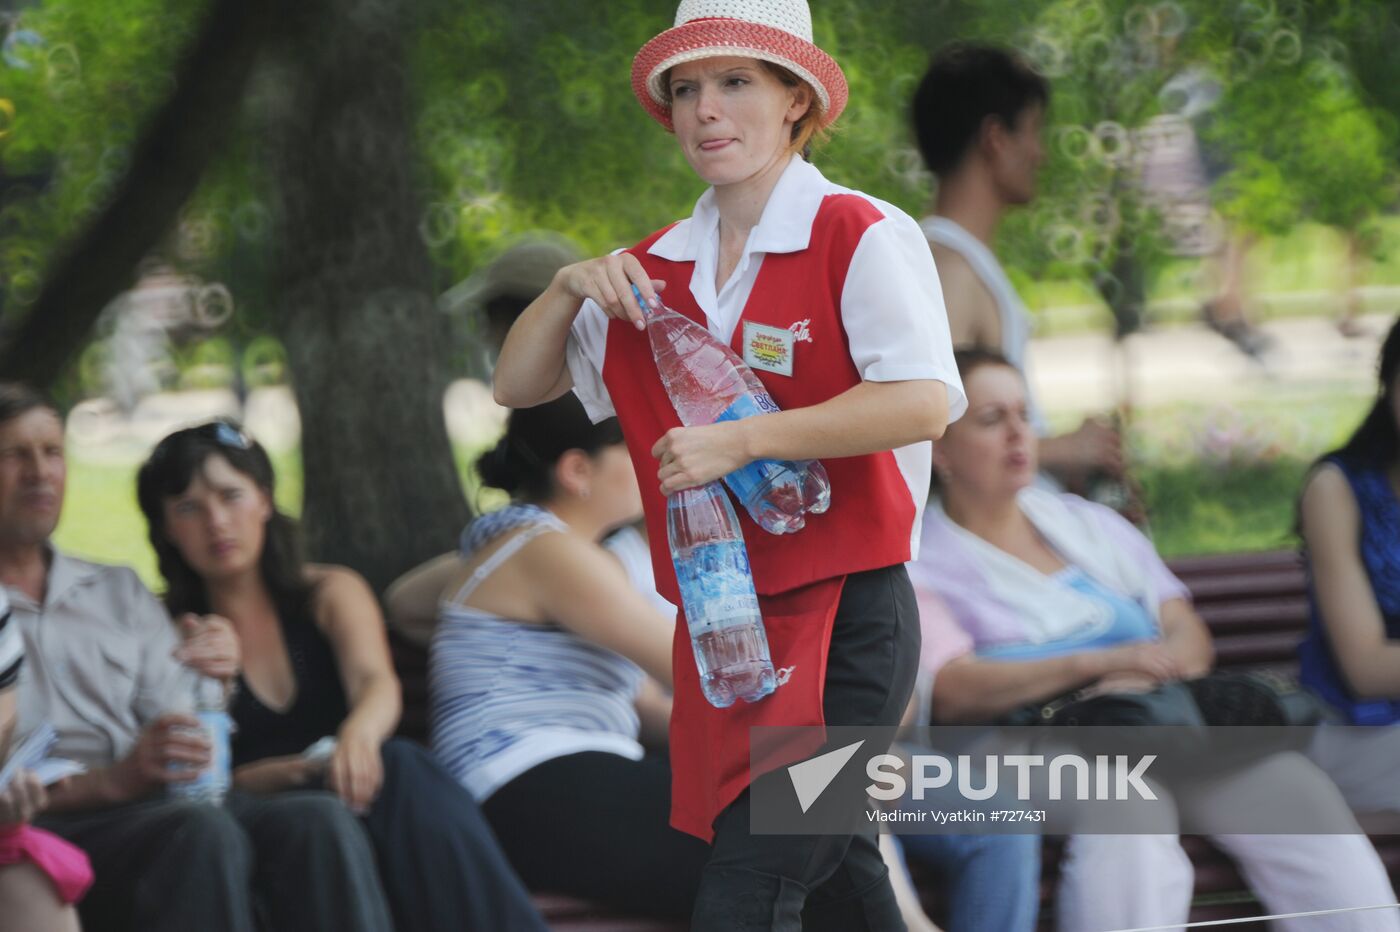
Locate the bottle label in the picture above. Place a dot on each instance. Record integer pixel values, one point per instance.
(716, 586)
(748, 479)
(747, 405)
(213, 780)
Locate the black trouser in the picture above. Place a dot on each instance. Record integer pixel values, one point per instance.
(789, 882)
(439, 861)
(597, 826)
(299, 860)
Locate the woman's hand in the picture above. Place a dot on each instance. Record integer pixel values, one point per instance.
(210, 646)
(1121, 683)
(1149, 661)
(172, 749)
(276, 774)
(356, 771)
(693, 456)
(1095, 446)
(22, 800)
(608, 281)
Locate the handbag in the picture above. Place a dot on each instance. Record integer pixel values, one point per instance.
(1237, 697)
(1168, 704)
(1255, 697)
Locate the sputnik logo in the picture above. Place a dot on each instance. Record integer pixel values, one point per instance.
(811, 777)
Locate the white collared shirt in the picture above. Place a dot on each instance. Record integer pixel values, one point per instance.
(891, 303)
(99, 662)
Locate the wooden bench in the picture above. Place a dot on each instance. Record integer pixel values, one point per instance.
(1256, 608)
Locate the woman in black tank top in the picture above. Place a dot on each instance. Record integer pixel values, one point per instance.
(315, 664)
(317, 708)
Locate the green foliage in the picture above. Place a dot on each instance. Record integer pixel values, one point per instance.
(1220, 479)
(79, 96)
(1288, 131)
(548, 136)
(525, 121)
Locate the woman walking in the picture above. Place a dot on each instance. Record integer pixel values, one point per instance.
(845, 284)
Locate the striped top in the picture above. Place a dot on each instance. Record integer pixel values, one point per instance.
(11, 645)
(508, 695)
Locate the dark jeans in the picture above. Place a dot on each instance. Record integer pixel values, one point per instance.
(597, 826)
(789, 882)
(439, 861)
(299, 861)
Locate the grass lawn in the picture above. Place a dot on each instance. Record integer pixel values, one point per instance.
(1309, 262)
(1219, 479)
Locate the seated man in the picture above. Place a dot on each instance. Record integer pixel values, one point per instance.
(101, 666)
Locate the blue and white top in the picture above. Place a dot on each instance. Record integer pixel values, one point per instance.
(508, 695)
(11, 645)
(1129, 623)
(1379, 548)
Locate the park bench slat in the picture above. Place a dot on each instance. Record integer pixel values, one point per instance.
(1226, 619)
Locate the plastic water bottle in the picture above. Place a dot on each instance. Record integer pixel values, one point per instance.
(707, 382)
(721, 607)
(213, 781)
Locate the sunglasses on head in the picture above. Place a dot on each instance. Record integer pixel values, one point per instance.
(223, 433)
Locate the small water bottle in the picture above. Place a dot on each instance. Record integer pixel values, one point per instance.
(721, 607)
(213, 781)
(707, 382)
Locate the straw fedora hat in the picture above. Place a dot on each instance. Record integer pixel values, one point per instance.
(778, 31)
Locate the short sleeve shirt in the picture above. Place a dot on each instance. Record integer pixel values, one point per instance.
(99, 660)
(891, 305)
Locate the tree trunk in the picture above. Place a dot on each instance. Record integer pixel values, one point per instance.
(169, 159)
(365, 343)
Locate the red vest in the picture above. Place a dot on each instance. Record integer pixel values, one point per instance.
(799, 576)
(871, 517)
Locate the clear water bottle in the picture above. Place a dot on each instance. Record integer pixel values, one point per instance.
(721, 607)
(213, 781)
(707, 382)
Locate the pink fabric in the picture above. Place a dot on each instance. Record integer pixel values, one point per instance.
(944, 640)
(66, 865)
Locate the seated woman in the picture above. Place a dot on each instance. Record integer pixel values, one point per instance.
(987, 882)
(41, 875)
(1048, 594)
(1349, 518)
(315, 664)
(537, 660)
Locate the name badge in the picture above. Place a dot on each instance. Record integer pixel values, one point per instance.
(768, 348)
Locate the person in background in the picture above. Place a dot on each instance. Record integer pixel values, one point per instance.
(538, 667)
(1349, 516)
(989, 883)
(1047, 594)
(106, 668)
(315, 665)
(41, 875)
(1349, 519)
(979, 115)
(494, 296)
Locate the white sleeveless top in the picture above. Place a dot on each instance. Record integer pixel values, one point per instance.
(1016, 324)
(507, 695)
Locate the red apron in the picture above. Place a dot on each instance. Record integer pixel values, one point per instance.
(799, 576)
(710, 746)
